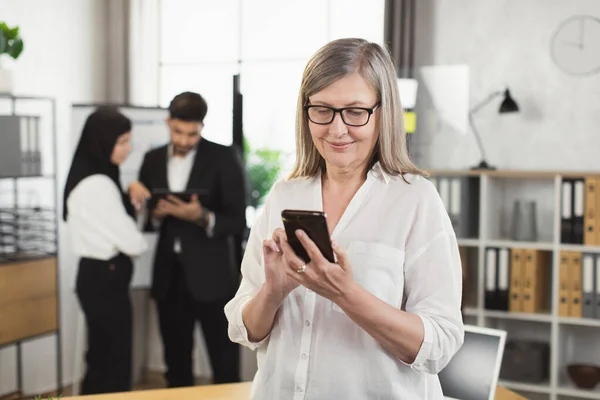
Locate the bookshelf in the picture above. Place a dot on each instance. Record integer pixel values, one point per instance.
(29, 273)
(570, 339)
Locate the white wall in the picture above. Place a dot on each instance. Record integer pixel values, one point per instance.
(64, 57)
(507, 42)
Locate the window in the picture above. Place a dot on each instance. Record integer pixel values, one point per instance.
(268, 42)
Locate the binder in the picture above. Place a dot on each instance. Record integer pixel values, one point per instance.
(455, 204)
(11, 160)
(35, 151)
(575, 284)
(566, 213)
(597, 287)
(590, 218)
(516, 276)
(578, 210)
(491, 275)
(564, 308)
(444, 190)
(464, 206)
(25, 140)
(503, 279)
(535, 281)
(587, 285)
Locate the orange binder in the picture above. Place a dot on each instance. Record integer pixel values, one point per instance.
(575, 285)
(535, 281)
(590, 217)
(515, 303)
(564, 309)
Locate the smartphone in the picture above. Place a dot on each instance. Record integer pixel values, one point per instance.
(314, 223)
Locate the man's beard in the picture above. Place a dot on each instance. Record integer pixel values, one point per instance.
(181, 151)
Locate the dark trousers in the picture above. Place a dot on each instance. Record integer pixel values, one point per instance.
(103, 292)
(178, 314)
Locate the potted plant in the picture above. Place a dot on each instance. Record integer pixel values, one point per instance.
(12, 45)
(263, 167)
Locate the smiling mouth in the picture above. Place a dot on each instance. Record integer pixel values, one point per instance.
(340, 146)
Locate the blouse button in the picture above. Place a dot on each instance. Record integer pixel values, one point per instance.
(111, 267)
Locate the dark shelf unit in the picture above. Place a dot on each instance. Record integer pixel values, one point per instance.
(12, 259)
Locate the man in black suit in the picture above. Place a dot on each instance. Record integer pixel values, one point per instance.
(195, 267)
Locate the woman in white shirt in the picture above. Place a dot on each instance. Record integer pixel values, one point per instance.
(104, 235)
(385, 319)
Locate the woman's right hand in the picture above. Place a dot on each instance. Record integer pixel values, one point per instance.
(277, 283)
(138, 194)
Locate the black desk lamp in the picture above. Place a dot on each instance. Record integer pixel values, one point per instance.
(508, 105)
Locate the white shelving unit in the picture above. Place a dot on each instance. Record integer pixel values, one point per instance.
(497, 192)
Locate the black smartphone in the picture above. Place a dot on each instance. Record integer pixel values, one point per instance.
(314, 223)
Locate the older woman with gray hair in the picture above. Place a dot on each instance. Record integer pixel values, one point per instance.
(385, 318)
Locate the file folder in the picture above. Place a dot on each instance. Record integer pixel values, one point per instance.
(536, 286)
(491, 278)
(590, 236)
(578, 210)
(26, 140)
(467, 211)
(575, 284)
(587, 285)
(516, 276)
(10, 146)
(597, 287)
(454, 208)
(566, 211)
(502, 296)
(564, 308)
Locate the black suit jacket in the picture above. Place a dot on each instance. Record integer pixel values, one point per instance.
(209, 264)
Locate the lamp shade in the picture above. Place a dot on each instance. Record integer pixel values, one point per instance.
(508, 105)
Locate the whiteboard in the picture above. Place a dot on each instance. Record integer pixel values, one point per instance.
(149, 130)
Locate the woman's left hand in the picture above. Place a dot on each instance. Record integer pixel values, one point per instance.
(330, 280)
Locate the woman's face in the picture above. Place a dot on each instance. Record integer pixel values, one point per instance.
(341, 145)
(121, 149)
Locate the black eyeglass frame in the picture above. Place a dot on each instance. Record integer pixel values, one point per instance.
(340, 110)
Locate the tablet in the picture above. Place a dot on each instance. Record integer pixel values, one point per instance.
(185, 195)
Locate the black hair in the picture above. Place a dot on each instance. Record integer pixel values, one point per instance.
(94, 150)
(189, 107)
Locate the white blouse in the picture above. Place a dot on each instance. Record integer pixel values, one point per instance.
(98, 223)
(403, 250)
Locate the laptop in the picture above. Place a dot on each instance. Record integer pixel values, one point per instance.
(473, 372)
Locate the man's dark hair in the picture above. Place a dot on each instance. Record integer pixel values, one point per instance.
(189, 107)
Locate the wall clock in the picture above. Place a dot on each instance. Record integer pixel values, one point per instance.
(575, 46)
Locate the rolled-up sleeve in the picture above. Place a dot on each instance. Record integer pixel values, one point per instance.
(433, 288)
(252, 279)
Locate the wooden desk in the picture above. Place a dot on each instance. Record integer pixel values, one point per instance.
(232, 391)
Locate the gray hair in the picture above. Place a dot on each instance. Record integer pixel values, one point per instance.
(334, 61)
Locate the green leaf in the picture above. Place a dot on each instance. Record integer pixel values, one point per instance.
(12, 33)
(16, 49)
(3, 43)
(3, 27)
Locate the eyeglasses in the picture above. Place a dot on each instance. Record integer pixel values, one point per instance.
(352, 116)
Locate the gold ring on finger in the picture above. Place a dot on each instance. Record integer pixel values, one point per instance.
(301, 269)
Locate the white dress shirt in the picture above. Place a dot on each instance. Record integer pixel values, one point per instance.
(402, 249)
(179, 169)
(98, 223)
(178, 175)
